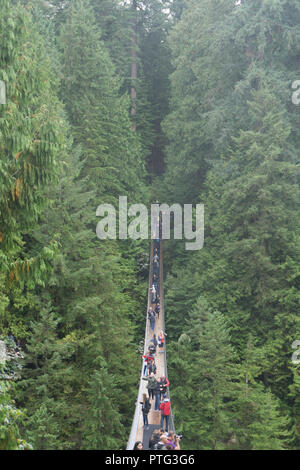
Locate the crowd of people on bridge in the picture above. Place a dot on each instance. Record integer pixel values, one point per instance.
(161, 441)
(157, 386)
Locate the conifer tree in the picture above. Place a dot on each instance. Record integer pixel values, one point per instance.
(235, 133)
(32, 128)
(262, 426)
(103, 428)
(94, 283)
(260, 422)
(46, 382)
(261, 223)
(10, 416)
(90, 91)
(295, 411)
(211, 374)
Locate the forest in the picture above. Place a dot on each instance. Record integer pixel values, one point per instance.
(176, 101)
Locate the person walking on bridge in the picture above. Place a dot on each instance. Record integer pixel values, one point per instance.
(151, 385)
(151, 367)
(161, 340)
(156, 264)
(165, 408)
(146, 406)
(155, 281)
(152, 348)
(147, 358)
(154, 341)
(151, 316)
(153, 293)
(164, 384)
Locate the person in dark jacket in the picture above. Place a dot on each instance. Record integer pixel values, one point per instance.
(151, 384)
(151, 368)
(152, 348)
(150, 311)
(163, 383)
(146, 406)
(151, 316)
(154, 341)
(156, 264)
(154, 439)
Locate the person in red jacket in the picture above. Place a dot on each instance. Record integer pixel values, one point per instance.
(165, 409)
(147, 358)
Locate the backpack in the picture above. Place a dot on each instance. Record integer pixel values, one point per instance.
(158, 446)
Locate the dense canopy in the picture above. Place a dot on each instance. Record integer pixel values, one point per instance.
(181, 101)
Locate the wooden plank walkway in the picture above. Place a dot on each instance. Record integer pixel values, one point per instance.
(138, 432)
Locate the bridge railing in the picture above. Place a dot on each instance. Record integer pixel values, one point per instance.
(162, 309)
(136, 423)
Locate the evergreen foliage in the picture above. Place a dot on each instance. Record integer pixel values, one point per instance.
(214, 124)
(234, 146)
